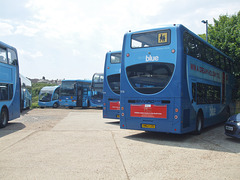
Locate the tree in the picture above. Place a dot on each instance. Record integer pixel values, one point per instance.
(225, 35)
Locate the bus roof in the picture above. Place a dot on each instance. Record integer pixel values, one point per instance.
(25, 80)
(98, 74)
(78, 80)
(2, 44)
(49, 88)
(179, 26)
(111, 52)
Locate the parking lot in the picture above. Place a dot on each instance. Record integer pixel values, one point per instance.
(80, 144)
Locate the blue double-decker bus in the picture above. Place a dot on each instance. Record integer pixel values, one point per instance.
(111, 88)
(96, 98)
(26, 93)
(75, 93)
(49, 96)
(173, 81)
(9, 84)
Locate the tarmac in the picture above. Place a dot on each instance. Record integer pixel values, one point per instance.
(80, 144)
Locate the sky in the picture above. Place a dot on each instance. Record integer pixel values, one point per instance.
(68, 39)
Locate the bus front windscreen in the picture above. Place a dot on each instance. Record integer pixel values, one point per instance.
(150, 78)
(68, 88)
(45, 96)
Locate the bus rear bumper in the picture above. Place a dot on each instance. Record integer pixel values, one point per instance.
(152, 125)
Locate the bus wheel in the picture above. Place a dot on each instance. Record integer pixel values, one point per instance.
(199, 124)
(55, 105)
(4, 118)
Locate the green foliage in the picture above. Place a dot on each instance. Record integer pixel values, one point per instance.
(34, 105)
(203, 36)
(36, 87)
(225, 35)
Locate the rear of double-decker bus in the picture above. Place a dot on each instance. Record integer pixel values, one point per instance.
(151, 80)
(111, 87)
(96, 98)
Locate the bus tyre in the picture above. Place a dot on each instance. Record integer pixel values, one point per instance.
(3, 118)
(199, 124)
(55, 105)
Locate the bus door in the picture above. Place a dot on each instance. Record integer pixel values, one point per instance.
(79, 96)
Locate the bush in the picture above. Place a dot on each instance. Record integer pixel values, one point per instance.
(35, 105)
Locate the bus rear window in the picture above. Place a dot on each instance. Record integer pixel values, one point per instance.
(116, 58)
(150, 78)
(114, 83)
(151, 39)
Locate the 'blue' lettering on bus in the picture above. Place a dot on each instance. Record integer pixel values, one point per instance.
(151, 58)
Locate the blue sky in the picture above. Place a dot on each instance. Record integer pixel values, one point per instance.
(69, 38)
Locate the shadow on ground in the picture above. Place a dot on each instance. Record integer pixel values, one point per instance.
(11, 128)
(212, 138)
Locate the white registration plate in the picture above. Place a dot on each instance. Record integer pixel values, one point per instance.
(229, 128)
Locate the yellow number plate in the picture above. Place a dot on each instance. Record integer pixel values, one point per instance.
(118, 116)
(148, 126)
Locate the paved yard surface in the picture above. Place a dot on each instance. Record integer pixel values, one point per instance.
(80, 144)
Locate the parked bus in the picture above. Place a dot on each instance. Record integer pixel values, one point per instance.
(111, 87)
(9, 84)
(96, 99)
(49, 97)
(173, 81)
(26, 93)
(74, 93)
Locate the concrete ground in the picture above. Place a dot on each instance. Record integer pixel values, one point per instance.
(80, 144)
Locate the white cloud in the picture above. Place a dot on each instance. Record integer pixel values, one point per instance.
(26, 30)
(64, 20)
(76, 52)
(5, 28)
(29, 55)
(74, 35)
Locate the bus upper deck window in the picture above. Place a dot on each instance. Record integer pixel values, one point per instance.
(12, 57)
(151, 39)
(3, 55)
